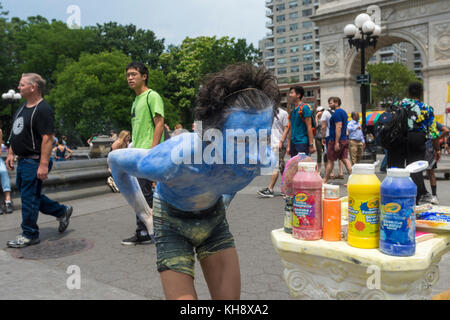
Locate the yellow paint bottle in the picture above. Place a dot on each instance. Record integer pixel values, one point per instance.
(364, 207)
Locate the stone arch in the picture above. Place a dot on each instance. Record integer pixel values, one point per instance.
(424, 24)
(353, 64)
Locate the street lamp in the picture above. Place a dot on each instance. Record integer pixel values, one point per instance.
(12, 96)
(361, 35)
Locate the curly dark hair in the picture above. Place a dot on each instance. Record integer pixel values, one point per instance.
(242, 86)
(415, 90)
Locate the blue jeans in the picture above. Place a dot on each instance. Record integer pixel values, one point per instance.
(6, 185)
(32, 200)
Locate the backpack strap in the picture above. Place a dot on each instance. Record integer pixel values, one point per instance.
(300, 110)
(150, 109)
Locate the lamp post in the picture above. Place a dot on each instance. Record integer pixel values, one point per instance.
(12, 96)
(361, 35)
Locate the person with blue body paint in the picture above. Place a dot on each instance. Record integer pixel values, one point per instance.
(198, 174)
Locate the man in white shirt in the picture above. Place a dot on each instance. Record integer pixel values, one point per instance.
(278, 139)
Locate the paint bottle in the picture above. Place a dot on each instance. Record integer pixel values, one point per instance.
(331, 213)
(288, 215)
(397, 219)
(363, 207)
(307, 203)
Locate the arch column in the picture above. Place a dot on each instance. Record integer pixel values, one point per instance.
(425, 24)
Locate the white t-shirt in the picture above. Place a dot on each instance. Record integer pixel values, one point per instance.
(326, 116)
(278, 128)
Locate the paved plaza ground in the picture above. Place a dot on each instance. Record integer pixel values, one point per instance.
(112, 271)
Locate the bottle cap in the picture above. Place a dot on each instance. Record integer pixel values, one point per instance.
(363, 168)
(397, 172)
(411, 168)
(331, 191)
(307, 166)
(417, 166)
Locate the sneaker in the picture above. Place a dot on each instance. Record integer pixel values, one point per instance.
(9, 207)
(266, 193)
(22, 242)
(426, 198)
(64, 220)
(138, 239)
(434, 200)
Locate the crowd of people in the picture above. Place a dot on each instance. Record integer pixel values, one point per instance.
(330, 134)
(183, 214)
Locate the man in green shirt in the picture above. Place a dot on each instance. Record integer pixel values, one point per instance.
(147, 124)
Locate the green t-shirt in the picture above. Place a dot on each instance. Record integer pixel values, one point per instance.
(141, 123)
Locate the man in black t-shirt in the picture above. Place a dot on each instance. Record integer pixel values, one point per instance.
(31, 140)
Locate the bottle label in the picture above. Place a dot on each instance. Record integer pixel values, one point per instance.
(303, 213)
(397, 221)
(363, 216)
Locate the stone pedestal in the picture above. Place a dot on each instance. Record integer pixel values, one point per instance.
(101, 146)
(334, 270)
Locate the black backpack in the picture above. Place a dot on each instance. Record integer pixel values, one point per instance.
(392, 127)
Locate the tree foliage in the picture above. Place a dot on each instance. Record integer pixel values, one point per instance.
(85, 69)
(187, 64)
(92, 95)
(141, 45)
(390, 81)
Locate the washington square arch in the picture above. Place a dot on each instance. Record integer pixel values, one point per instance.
(423, 23)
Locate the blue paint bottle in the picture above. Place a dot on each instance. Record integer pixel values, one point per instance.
(397, 218)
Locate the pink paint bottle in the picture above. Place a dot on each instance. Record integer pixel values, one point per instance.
(307, 203)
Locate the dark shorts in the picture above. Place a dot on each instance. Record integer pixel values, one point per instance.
(179, 232)
(296, 148)
(341, 154)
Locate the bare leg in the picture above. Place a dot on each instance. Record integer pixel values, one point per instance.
(273, 180)
(7, 196)
(329, 168)
(348, 165)
(341, 168)
(125, 165)
(222, 274)
(178, 286)
(432, 177)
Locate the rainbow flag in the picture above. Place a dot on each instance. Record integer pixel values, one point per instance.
(371, 117)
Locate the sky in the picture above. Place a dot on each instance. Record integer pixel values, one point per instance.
(172, 20)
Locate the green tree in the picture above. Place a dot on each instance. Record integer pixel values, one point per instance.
(92, 95)
(141, 45)
(4, 43)
(389, 81)
(42, 47)
(185, 66)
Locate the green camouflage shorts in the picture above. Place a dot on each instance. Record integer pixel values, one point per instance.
(179, 232)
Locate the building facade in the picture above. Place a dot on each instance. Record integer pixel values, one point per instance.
(402, 52)
(291, 48)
